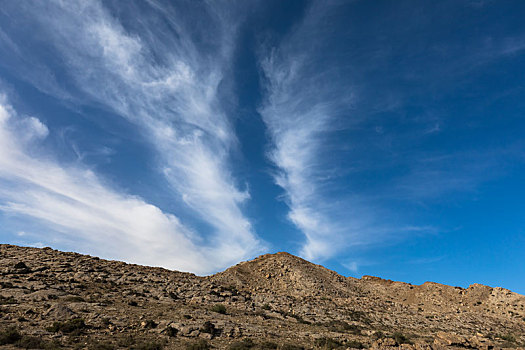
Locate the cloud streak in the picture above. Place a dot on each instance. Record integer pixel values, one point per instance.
(351, 134)
(157, 78)
(74, 202)
(301, 110)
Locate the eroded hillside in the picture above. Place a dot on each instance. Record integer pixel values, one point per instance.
(52, 299)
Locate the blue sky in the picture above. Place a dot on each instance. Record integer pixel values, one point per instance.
(381, 138)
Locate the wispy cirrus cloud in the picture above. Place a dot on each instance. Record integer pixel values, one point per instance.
(302, 109)
(154, 75)
(359, 121)
(310, 98)
(75, 204)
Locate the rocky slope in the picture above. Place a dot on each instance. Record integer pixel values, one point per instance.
(51, 299)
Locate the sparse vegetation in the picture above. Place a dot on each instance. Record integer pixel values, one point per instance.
(148, 345)
(267, 345)
(219, 308)
(290, 347)
(126, 341)
(74, 326)
(378, 335)
(400, 338)
(342, 327)
(360, 316)
(232, 289)
(508, 337)
(199, 345)
(74, 299)
(208, 327)
(106, 322)
(7, 300)
(354, 344)
(171, 332)
(244, 344)
(300, 319)
(327, 343)
(101, 346)
(9, 336)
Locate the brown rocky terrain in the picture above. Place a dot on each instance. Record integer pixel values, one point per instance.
(52, 300)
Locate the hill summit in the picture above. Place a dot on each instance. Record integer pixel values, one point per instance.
(52, 299)
(284, 273)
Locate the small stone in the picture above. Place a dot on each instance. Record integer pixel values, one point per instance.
(194, 333)
(206, 336)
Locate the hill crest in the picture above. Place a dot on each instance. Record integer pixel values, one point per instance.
(275, 298)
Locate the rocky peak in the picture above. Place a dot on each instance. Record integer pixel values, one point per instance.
(284, 273)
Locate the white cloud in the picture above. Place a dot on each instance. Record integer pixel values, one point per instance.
(300, 110)
(32, 129)
(352, 266)
(81, 208)
(308, 100)
(168, 87)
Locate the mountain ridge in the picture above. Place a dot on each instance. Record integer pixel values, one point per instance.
(277, 299)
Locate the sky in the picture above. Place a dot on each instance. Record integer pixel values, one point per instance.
(375, 138)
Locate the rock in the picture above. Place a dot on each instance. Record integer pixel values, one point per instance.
(421, 346)
(148, 324)
(450, 339)
(384, 343)
(21, 265)
(18, 268)
(237, 332)
(406, 347)
(480, 342)
(185, 331)
(60, 312)
(207, 336)
(208, 327)
(194, 333)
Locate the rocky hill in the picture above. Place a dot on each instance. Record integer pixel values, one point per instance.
(51, 299)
